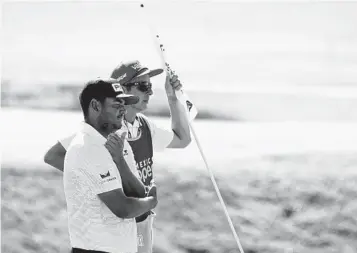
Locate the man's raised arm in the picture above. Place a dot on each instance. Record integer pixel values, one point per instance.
(179, 121)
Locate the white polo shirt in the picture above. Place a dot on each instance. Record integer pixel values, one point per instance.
(88, 171)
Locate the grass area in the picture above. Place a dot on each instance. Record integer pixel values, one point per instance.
(271, 213)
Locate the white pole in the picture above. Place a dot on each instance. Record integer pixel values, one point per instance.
(217, 189)
(164, 62)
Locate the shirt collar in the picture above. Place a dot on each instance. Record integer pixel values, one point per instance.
(136, 123)
(92, 132)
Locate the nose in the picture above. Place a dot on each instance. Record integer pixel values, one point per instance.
(121, 111)
(150, 92)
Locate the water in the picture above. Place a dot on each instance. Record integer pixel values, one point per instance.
(27, 134)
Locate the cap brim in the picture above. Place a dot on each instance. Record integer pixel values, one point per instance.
(151, 73)
(155, 72)
(128, 99)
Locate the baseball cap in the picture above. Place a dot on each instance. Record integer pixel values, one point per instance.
(126, 71)
(105, 88)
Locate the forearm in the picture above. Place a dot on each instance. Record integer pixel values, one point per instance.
(139, 206)
(179, 120)
(55, 162)
(129, 180)
(58, 165)
(55, 156)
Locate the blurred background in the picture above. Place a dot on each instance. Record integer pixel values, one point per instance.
(275, 84)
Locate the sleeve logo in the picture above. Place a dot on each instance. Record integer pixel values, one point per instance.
(105, 175)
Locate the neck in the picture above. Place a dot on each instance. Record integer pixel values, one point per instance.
(96, 127)
(130, 115)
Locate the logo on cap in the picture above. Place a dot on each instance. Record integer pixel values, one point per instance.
(121, 77)
(117, 87)
(136, 66)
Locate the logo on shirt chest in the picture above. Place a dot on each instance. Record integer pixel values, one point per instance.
(189, 105)
(140, 240)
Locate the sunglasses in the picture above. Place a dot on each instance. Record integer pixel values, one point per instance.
(142, 86)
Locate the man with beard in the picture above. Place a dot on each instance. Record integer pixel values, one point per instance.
(144, 136)
(100, 215)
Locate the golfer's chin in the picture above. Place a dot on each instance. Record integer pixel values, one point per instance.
(115, 127)
(143, 106)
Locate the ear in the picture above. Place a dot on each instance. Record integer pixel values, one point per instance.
(95, 105)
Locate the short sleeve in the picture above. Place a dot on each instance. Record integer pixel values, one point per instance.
(101, 171)
(161, 137)
(66, 141)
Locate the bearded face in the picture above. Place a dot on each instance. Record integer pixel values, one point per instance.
(111, 116)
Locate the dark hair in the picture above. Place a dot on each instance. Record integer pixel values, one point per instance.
(100, 89)
(87, 94)
(128, 87)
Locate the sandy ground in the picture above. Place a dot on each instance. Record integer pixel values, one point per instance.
(271, 212)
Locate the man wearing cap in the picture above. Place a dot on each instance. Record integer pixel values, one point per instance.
(100, 215)
(143, 135)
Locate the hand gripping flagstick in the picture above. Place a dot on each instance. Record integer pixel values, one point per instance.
(191, 114)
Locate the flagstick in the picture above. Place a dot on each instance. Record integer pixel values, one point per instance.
(217, 189)
(164, 62)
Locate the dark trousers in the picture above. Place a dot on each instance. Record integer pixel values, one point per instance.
(76, 250)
